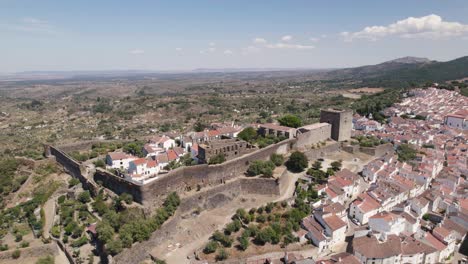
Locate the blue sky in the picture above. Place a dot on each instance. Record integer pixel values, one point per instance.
(182, 35)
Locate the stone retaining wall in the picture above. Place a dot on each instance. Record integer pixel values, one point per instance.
(379, 150)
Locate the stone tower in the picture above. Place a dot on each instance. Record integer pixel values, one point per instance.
(341, 122)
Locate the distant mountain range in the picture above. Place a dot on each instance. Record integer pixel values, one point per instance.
(395, 73)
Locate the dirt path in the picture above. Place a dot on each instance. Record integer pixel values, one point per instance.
(49, 211)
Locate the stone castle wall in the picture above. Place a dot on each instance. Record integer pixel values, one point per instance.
(313, 154)
(192, 177)
(72, 167)
(313, 136)
(379, 150)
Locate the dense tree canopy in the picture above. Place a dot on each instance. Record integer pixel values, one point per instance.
(297, 162)
(290, 121)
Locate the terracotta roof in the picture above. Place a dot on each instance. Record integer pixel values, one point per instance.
(314, 227)
(118, 155)
(162, 158)
(172, 155)
(433, 241)
(334, 222)
(411, 246)
(371, 247)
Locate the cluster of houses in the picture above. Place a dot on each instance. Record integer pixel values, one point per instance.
(410, 211)
(160, 151)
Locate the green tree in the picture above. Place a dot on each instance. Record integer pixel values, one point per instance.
(84, 197)
(317, 165)
(290, 121)
(248, 134)
(134, 148)
(73, 181)
(105, 231)
(406, 153)
(297, 162)
(114, 246)
(336, 165)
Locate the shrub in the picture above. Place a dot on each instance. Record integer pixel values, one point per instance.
(128, 198)
(18, 237)
(80, 242)
(55, 231)
(243, 242)
(99, 163)
(210, 247)
(16, 254)
(258, 167)
(222, 255)
(24, 244)
(277, 159)
(46, 260)
(297, 162)
(218, 159)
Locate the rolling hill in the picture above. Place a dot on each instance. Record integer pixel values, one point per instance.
(404, 72)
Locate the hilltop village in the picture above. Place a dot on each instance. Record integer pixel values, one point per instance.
(348, 189)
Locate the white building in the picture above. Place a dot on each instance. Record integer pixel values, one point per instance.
(143, 168)
(458, 120)
(119, 160)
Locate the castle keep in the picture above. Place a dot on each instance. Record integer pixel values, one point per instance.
(341, 122)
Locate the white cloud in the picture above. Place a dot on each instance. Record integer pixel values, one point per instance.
(259, 41)
(178, 49)
(289, 46)
(212, 44)
(314, 39)
(228, 52)
(136, 51)
(431, 26)
(30, 24)
(286, 38)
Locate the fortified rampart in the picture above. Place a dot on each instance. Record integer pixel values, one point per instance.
(189, 178)
(72, 167)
